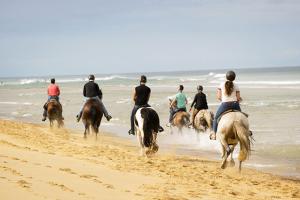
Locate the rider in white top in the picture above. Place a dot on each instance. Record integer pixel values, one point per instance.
(229, 94)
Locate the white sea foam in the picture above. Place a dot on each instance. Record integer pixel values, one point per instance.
(14, 113)
(15, 103)
(293, 82)
(26, 94)
(27, 115)
(219, 75)
(121, 101)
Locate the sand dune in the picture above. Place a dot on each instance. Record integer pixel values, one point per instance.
(37, 162)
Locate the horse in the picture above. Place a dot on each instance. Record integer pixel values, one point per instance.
(181, 119)
(146, 129)
(91, 116)
(233, 128)
(203, 120)
(54, 112)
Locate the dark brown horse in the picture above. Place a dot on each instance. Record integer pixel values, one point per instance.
(54, 112)
(91, 116)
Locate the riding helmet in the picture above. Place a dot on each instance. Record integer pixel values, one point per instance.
(91, 77)
(230, 75)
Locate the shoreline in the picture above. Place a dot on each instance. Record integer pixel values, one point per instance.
(39, 162)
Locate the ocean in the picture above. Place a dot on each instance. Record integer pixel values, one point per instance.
(271, 97)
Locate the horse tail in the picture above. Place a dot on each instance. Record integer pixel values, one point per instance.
(151, 123)
(185, 120)
(243, 137)
(93, 115)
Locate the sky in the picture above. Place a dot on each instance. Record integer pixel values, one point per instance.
(61, 37)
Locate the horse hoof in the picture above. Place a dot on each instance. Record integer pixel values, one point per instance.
(212, 137)
(223, 166)
(232, 164)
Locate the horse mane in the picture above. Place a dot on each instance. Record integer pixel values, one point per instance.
(151, 123)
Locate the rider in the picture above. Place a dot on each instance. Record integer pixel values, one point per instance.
(91, 91)
(177, 104)
(53, 93)
(229, 94)
(141, 96)
(199, 101)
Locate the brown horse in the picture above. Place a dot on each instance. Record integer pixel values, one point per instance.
(91, 116)
(181, 119)
(54, 112)
(203, 120)
(233, 128)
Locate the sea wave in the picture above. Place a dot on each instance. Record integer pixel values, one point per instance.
(293, 82)
(16, 103)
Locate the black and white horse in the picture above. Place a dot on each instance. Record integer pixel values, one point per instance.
(146, 129)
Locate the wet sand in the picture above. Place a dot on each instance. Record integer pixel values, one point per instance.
(37, 162)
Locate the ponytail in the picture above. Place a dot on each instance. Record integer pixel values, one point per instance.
(228, 88)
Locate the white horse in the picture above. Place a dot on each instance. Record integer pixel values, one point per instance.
(203, 120)
(147, 126)
(233, 128)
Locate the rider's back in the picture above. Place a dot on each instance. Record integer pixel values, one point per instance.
(53, 90)
(181, 100)
(142, 93)
(232, 96)
(200, 100)
(91, 89)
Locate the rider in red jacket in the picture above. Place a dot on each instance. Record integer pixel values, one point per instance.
(53, 93)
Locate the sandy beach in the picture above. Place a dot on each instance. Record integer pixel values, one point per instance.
(37, 162)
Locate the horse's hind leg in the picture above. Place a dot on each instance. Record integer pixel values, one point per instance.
(140, 140)
(51, 123)
(240, 166)
(226, 151)
(86, 130)
(232, 163)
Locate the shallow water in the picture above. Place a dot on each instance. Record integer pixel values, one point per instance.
(271, 98)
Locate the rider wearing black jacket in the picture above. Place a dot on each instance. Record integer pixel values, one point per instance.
(91, 90)
(199, 101)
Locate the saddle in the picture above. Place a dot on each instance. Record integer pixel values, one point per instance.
(178, 112)
(52, 100)
(231, 110)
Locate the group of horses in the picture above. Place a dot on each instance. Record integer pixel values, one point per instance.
(233, 127)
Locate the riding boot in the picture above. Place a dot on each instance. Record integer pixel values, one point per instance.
(160, 128)
(44, 115)
(78, 117)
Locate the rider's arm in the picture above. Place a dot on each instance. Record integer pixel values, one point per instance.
(238, 96)
(58, 91)
(194, 101)
(149, 96)
(100, 94)
(98, 91)
(84, 91)
(48, 91)
(134, 95)
(219, 94)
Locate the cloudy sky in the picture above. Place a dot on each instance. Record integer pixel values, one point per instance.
(53, 37)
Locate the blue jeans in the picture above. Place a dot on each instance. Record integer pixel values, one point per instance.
(53, 97)
(173, 111)
(233, 105)
(135, 108)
